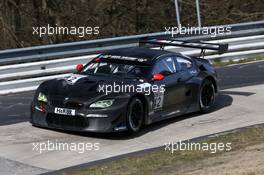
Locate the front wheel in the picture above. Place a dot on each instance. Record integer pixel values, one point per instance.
(135, 115)
(207, 96)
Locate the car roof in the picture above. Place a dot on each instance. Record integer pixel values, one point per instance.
(139, 52)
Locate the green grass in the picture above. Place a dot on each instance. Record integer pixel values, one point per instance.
(161, 160)
(219, 63)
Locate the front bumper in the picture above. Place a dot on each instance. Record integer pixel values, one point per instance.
(110, 119)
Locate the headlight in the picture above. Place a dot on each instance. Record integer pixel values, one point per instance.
(102, 104)
(42, 97)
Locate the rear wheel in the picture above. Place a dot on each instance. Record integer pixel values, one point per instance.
(135, 115)
(207, 96)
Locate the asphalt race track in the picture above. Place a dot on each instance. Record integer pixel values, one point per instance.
(239, 104)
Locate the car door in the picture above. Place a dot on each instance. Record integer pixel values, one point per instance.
(166, 103)
(186, 71)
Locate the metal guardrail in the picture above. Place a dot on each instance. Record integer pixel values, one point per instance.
(41, 63)
(53, 51)
(65, 65)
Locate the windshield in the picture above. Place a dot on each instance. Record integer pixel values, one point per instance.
(108, 68)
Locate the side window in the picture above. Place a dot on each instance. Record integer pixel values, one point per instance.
(166, 66)
(184, 63)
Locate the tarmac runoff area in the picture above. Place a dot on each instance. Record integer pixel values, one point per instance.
(235, 108)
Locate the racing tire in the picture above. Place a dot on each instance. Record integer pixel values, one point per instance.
(135, 115)
(207, 96)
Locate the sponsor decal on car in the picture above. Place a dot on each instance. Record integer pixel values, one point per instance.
(64, 111)
(123, 58)
(72, 79)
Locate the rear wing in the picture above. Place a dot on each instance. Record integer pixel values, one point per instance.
(220, 48)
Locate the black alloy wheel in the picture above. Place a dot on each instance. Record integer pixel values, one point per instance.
(135, 115)
(207, 96)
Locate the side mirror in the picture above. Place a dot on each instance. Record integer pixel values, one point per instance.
(158, 77)
(79, 67)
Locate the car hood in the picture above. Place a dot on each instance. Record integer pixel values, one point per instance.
(82, 86)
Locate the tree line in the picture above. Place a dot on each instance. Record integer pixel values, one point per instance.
(113, 17)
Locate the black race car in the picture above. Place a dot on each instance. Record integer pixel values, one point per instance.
(124, 89)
